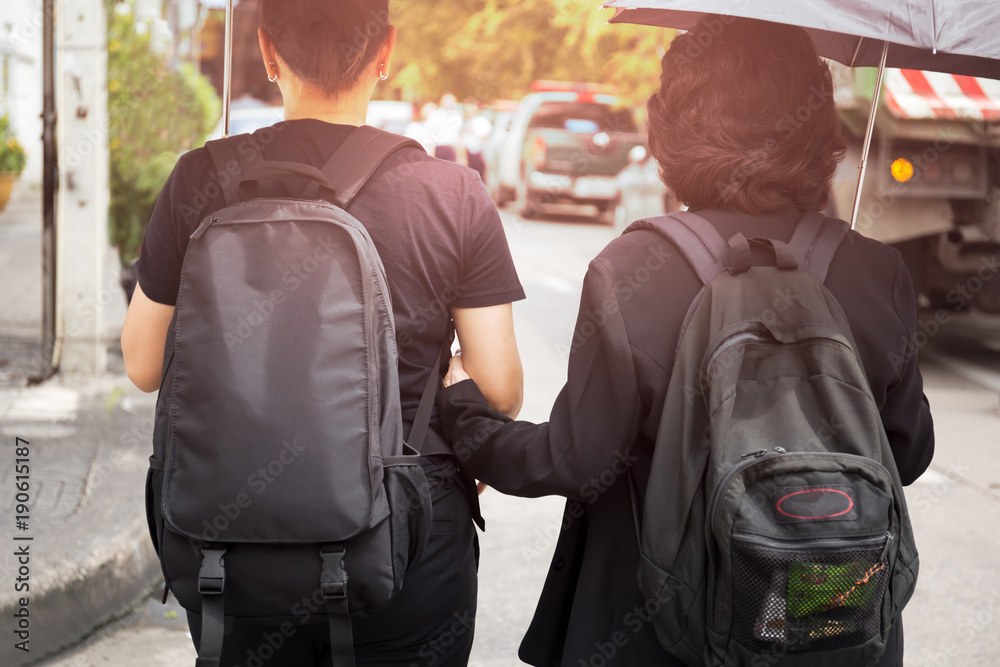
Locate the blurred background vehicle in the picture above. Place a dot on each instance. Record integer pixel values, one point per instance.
(247, 114)
(932, 189)
(566, 143)
(389, 115)
(641, 193)
(500, 115)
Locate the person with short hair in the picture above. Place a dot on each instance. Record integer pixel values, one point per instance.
(746, 134)
(446, 259)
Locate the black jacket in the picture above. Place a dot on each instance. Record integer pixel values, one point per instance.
(635, 296)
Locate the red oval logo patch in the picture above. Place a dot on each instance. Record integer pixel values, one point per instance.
(814, 504)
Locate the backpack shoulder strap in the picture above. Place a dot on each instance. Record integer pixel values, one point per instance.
(358, 157)
(701, 244)
(229, 157)
(815, 242)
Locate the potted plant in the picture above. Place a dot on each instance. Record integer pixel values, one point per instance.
(12, 160)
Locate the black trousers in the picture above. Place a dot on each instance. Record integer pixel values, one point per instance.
(431, 621)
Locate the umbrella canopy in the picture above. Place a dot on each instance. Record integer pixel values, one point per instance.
(955, 36)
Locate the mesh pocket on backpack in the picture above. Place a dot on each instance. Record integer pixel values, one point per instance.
(808, 596)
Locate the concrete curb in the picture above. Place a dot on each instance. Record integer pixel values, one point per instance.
(98, 561)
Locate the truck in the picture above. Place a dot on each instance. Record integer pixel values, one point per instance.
(566, 143)
(931, 189)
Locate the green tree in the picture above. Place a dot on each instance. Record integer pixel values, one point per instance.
(494, 49)
(154, 113)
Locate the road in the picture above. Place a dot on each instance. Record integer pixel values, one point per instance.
(955, 507)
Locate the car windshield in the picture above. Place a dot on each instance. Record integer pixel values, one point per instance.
(583, 117)
(251, 121)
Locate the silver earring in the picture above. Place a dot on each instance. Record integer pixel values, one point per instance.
(273, 77)
(382, 74)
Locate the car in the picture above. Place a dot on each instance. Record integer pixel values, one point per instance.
(247, 114)
(641, 193)
(389, 115)
(500, 117)
(566, 143)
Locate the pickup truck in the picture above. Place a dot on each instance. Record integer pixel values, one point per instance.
(565, 146)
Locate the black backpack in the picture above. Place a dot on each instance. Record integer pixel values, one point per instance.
(280, 484)
(774, 530)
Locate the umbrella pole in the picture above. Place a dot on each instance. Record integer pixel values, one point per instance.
(227, 68)
(869, 131)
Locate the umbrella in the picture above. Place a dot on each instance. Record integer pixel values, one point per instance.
(954, 36)
(227, 68)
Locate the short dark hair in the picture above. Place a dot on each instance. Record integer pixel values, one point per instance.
(745, 117)
(327, 43)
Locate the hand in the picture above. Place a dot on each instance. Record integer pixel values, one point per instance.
(456, 372)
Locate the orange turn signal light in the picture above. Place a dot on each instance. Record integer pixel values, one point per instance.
(902, 170)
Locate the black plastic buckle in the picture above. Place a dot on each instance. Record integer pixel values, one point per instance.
(333, 578)
(212, 575)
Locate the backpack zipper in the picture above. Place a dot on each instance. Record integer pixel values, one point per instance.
(205, 224)
(828, 543)
(735, 340)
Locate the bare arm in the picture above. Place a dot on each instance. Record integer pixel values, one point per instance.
(489, 354)
(143, 337)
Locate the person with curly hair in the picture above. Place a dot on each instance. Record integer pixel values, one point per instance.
(745, 133)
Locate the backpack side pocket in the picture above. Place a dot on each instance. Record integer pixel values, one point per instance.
(410, 510)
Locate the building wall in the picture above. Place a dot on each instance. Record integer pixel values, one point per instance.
(21, 79)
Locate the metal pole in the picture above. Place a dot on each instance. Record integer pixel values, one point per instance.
(50, 185)
(868, 135)
(227, 68)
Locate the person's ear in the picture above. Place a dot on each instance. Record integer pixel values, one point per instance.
(385, 51)
(267, 52)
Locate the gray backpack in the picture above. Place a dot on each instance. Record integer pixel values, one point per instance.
(774, 530)
(280, 484)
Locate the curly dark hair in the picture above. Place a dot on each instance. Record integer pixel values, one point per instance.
(745, 117)
(327, 43)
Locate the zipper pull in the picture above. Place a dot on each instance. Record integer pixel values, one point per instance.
(885, 550)
(759, 453)
(205, 224)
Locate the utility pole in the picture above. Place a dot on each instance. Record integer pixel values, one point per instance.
(50, 184)
(83, 287)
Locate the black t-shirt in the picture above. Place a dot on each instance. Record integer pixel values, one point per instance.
(433, 223)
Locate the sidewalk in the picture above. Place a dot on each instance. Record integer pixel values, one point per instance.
(21, 286)
(82, 554)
